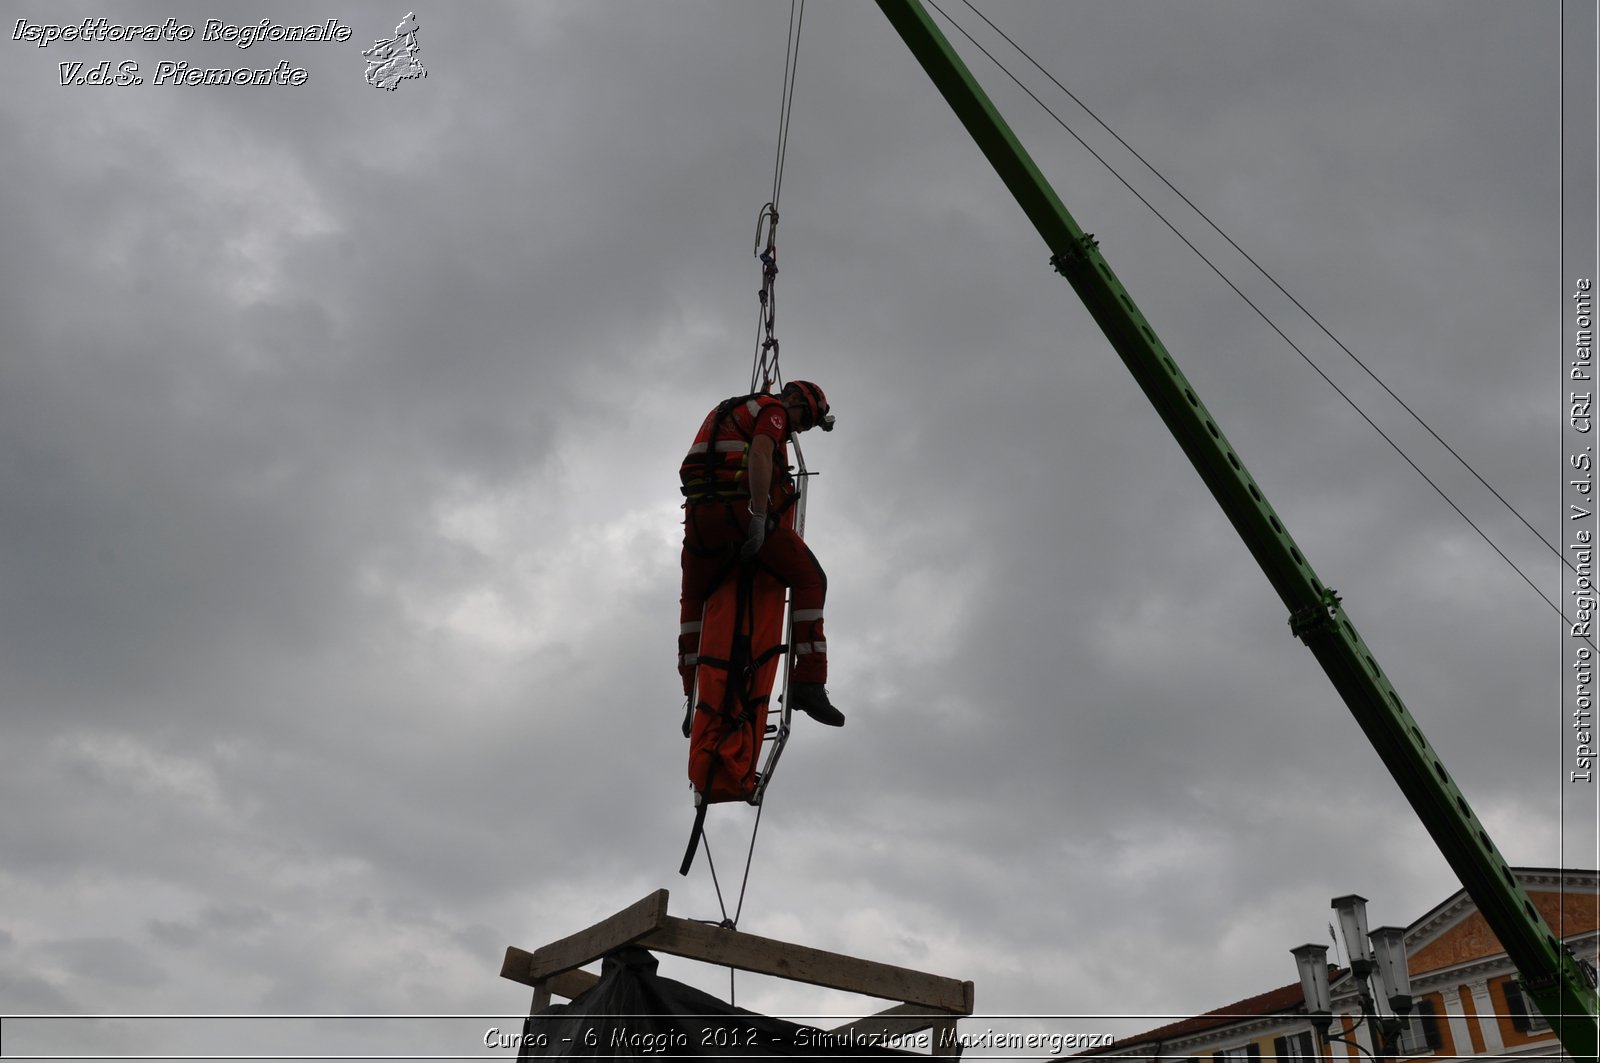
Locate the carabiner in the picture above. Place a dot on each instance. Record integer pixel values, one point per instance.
(770, 227)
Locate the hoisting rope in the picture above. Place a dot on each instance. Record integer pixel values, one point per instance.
(764, 373)
(732, 922)
(727, 923)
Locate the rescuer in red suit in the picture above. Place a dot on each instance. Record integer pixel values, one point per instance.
(733, 495)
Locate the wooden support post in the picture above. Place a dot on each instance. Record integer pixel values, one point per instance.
(946, 1042)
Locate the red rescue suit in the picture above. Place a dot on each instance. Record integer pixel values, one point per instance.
(717, 520)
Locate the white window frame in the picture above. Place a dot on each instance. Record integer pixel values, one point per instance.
(1302, 1048)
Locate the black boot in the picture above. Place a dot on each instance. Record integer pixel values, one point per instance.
(812, 699)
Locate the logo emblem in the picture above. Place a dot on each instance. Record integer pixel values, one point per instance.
(392, 61)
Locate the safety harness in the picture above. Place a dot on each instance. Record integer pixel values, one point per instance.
(698, 474)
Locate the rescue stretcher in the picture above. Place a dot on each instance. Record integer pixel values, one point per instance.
(731, 717)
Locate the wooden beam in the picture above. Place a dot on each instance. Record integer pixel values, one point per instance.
(891, 1022)
(747, 952)
(554, 969)
(568, 984)
(515, 965)
(586, 946)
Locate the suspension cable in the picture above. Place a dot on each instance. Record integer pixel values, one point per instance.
(1260, 313)
(764, 370)
(705, 843)
(791, 59)
(749, 857)
(1274, 281)
(732, 922)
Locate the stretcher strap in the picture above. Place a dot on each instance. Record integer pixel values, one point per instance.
(697, 830)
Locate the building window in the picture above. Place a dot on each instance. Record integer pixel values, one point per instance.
(1296, 1048)
(1421, 1033)
(1525, 1015)
(1249, 1051)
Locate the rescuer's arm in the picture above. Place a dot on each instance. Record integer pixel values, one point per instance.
(760, 473)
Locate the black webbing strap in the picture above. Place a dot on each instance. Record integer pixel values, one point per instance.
(711, 460)
(739, 664)
(699, 825)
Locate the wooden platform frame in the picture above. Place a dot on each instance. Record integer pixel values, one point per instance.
(926, 1001)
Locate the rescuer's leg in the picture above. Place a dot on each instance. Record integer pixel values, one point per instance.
(786, 556)
(710, 535)
(689, 612)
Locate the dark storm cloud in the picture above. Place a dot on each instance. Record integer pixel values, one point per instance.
(337, 432)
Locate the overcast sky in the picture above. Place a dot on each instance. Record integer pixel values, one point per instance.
(339, 525)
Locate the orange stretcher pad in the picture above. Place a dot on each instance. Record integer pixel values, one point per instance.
(741, 643)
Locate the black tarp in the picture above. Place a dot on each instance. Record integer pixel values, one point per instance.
(634, 1013)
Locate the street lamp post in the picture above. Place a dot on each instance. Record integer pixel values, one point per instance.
(1377, 960)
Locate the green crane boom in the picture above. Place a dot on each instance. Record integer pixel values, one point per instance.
(1551, 976)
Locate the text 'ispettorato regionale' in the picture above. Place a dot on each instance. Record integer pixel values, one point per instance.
(102, 30)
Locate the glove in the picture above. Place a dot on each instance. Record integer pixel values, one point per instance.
(754, 537)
